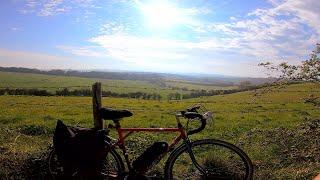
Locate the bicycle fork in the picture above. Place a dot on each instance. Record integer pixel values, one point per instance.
(191, 154)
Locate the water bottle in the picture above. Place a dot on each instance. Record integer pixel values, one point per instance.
(149, 156)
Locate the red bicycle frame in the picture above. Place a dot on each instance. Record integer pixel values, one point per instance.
(122, 136)
(123, 133)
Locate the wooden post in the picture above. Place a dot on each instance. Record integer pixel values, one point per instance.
(96, 104)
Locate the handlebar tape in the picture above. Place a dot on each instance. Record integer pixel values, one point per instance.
(193, 115)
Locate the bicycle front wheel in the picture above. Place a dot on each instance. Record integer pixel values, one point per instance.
(219, 159)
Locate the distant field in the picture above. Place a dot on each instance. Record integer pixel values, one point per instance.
(198, 86)
(52, 83)
(268, 127)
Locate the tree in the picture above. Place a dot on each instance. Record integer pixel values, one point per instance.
(307, 71)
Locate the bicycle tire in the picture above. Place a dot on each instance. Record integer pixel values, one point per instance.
(172, 160)
(54, 171)
(119, 163)
(57, 173)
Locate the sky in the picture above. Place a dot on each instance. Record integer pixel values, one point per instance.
(224, 37)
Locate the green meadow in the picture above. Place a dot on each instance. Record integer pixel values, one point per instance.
(276, 128)
(52, 83)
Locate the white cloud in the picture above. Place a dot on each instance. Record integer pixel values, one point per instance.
(45, 8)
(134, 48)
(279, 31)
(31, 3)
(55, 7)
(113, 28)
(148, 52)
(306, 10)
(52, 7)
(88, 51)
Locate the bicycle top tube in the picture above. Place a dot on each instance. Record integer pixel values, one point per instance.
(190, 114)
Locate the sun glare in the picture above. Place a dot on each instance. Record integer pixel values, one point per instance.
(161, 14)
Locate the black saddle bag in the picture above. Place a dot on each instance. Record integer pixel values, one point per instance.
(79, 150)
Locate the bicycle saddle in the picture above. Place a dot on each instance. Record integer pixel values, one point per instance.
(113, 114)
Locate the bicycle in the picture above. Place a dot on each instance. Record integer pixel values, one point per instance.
(200, 159)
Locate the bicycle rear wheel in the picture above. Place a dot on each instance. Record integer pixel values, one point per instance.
(220, 160)
(112, 167)
(54, 166)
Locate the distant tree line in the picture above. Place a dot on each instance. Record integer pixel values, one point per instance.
(29, 92)
(77, 92)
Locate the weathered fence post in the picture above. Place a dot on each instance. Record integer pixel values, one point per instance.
(96, 104)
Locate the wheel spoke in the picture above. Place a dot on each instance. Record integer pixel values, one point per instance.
(218, 160)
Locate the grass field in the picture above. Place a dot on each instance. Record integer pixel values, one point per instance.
(277, 129)
(52, 83)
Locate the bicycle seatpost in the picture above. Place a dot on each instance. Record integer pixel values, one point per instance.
(117, 123)
(178, 120)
